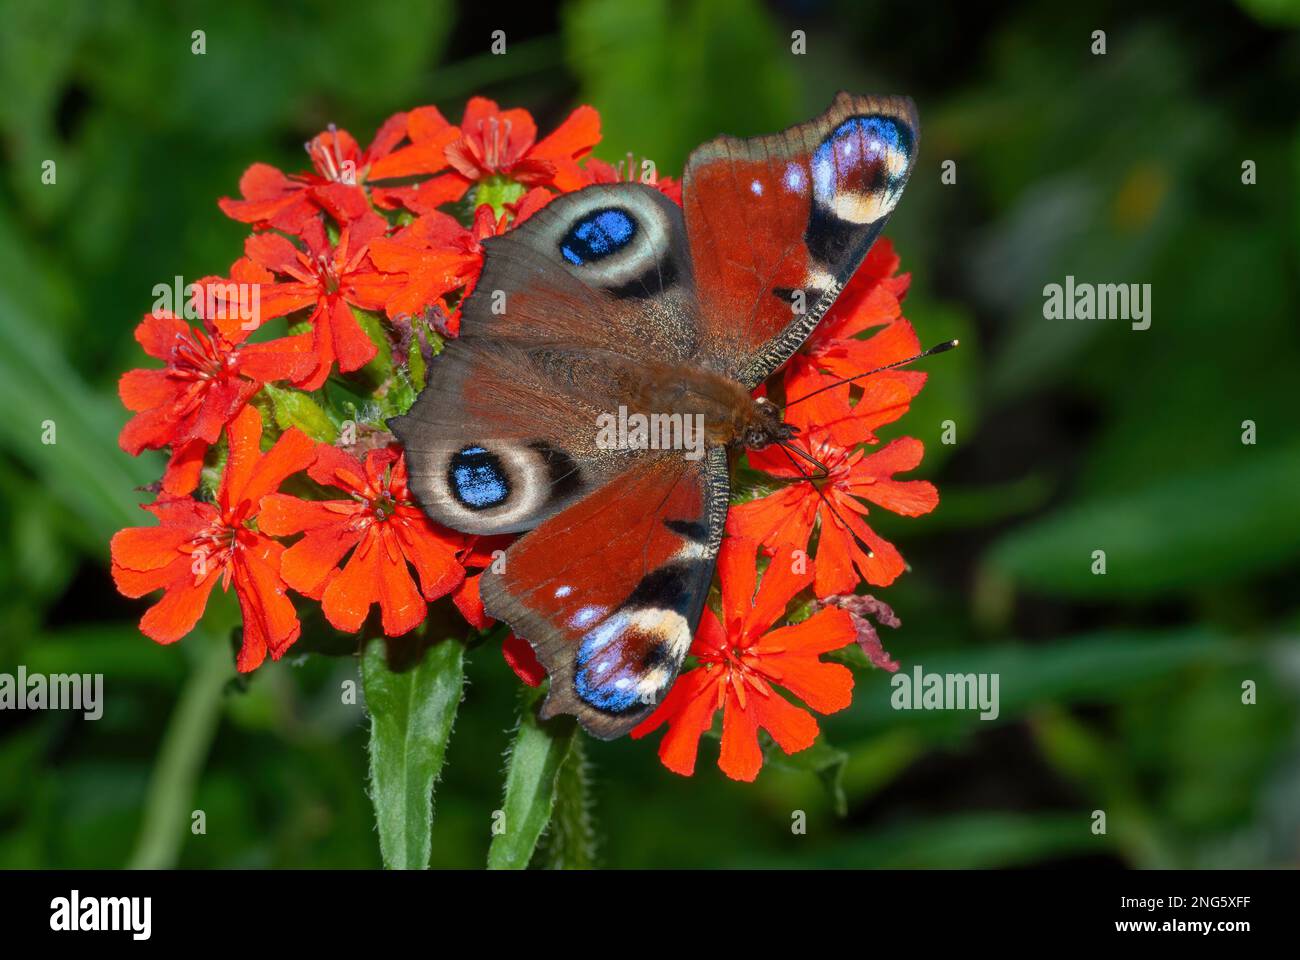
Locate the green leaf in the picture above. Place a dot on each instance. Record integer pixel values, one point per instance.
(293, 408)
(497, 191)
(539, 751)
(1195, 529)
(415, 364)
(381, 367)
(1100, 667)
(411, 715)
(822, 760)
(958, 842)
(63, 431)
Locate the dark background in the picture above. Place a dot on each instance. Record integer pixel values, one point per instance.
(1119, 693)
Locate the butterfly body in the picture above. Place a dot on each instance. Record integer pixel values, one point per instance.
(618, 301)
(731, 417)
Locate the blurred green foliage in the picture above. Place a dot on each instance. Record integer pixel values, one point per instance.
(1120, 693)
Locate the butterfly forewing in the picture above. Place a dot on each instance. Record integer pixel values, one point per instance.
(778, 224)
(570, 306)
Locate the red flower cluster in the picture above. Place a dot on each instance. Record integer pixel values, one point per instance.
(347, 258)
(740, 667)
(834, 426)
(355, 255)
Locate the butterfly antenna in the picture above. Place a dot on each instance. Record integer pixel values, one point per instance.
(825, 472)
(937, 348)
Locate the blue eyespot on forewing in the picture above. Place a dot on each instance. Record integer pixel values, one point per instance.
(597, 235)
(477, 479)
(859, 169)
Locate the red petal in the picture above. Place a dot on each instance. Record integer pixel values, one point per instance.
(243, 435)
(272, 251)
(792, 727)
(348, 597)
(738, 575)
(389, 135)
(185, 468)
(469, 601)
(400, 602)
(350, 344)
(306, 565)
(293, 452)
(573, 139)
(148, 548)
(784, 577)
(688, 710)
(426, 197)
(522, 660)
(270, 621)
(431, 553)
(781, 518)
(425, 123)
(159, 332)
(179, 609)
(873, 479)
(282, 515)
(740, 757)
(427, 155)
(287, 358)
(345, 202)
(825, 687)
(338, 468)
(148, 430)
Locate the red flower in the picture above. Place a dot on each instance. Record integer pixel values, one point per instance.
(598, 171)
(327, 278)
(207, 378)
(871, 299)
(340, 169)
(493, 141)
(435, 256)
(831, 430)
(741, 664)
(382, 527)
(429, 134)
(199, 543)
(518, 653)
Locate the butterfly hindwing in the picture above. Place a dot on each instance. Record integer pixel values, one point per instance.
(778, 224)
(570, 304)
(610, 591)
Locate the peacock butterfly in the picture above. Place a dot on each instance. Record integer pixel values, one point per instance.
(617, 298)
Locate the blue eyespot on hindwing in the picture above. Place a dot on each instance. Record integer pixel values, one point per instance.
(477, 479)
(598, 235)
(628, 659)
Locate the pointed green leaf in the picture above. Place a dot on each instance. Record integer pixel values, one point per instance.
(1200, 527)
(411, 716)
(293, 408)
(539, 750)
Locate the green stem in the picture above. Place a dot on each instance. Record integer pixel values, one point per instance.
(184, 750)
(570, 843)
